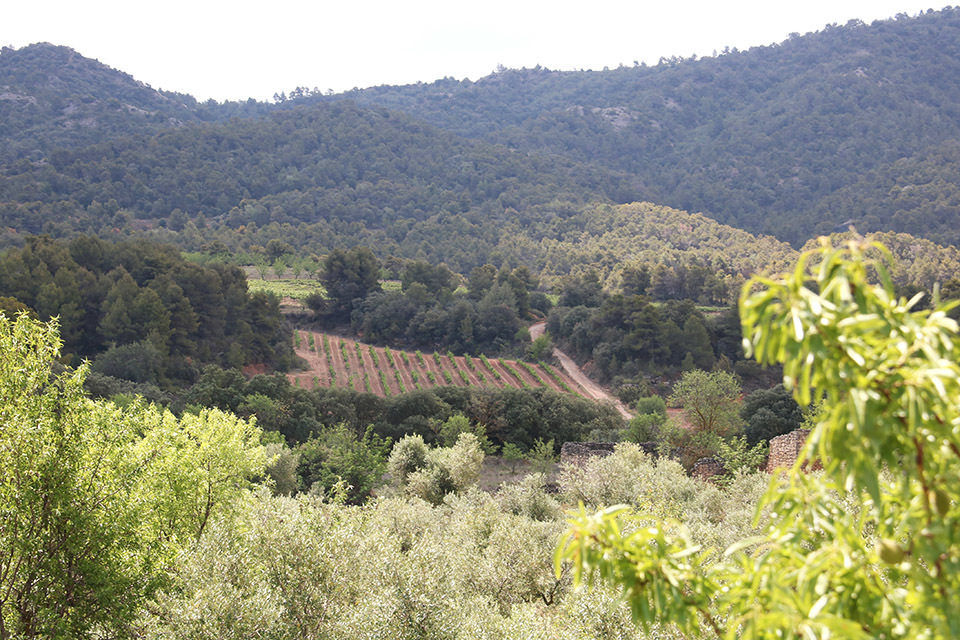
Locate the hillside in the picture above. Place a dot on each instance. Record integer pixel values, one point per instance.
(789, 139)
(53, 97)
(853, 124)
(337, 163)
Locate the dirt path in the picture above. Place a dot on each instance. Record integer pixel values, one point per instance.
(592, 389)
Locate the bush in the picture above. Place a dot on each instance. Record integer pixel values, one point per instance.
(644, 427)
(735, 455)
(542, 456)
(281, 468)
(339, 454)
(457, 424)
(137, 362)
(529, 498)
(408, 455)
(431, 474)
(768, 413)
(512, 455)
(541, 348)
(651, 405)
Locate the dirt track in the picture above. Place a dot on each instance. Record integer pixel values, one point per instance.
(592, 389)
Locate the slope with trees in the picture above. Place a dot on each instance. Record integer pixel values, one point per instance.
(141, 311)
(770, 140)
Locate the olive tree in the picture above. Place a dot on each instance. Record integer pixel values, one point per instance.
(854, 551)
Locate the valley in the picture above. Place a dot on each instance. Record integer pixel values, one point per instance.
(303, 368)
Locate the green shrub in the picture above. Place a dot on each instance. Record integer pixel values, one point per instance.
(529, 498)
(432, 473)
(457, 424)
(281, 468)
(542, 456)
(339, 454)
(651, 405)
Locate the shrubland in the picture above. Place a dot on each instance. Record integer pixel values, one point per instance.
(142, 524)
(464, 565)
(145, 525)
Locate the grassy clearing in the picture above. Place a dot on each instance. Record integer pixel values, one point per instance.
(296, 289)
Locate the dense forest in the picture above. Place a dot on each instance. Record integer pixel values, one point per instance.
(140, 311)
(790, 139)
(852, 124)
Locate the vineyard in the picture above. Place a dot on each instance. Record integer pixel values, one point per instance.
(340, 362)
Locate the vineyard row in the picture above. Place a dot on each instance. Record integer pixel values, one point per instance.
(340, 362)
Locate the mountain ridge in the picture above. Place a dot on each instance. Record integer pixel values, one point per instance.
(856, 123)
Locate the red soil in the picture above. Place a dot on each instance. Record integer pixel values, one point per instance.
(411, 372)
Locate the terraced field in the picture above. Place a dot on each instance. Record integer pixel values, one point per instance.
(341, 362)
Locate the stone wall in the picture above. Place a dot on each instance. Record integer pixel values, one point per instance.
(578, 452)
(707, 468)
(785, 449)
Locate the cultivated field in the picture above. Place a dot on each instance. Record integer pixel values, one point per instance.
(341, 362)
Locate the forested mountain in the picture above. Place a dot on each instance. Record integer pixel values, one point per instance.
(338, 163)
(790, 139)
(52, 97)
(853, 124)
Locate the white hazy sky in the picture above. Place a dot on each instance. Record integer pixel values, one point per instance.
(241, 49)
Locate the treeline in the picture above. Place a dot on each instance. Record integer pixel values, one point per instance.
(628, 337)
(486, 319)
(428, 311)
(552, 240)
(518, 416)
(141, 312)
(656, 324)
(639, 339)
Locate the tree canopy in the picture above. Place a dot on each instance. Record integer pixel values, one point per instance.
(96, 500)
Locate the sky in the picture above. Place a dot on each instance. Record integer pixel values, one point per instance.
(241, 49)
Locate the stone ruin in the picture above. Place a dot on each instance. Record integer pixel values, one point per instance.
(785, 449)
(576, 453)
(707, 469)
